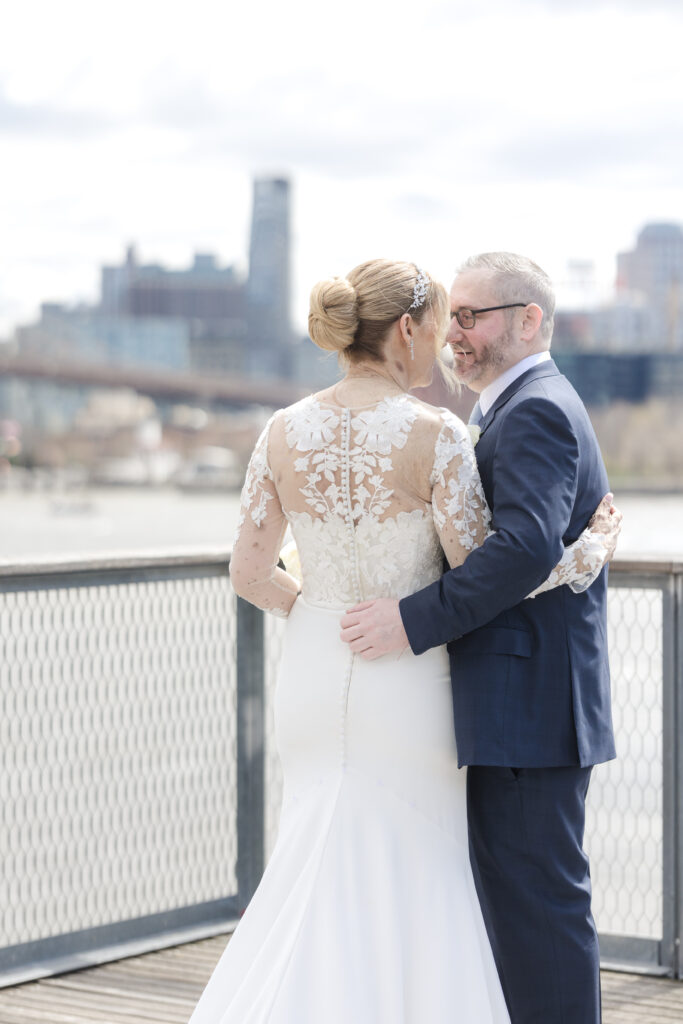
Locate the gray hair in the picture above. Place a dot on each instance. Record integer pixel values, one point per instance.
(518, 279)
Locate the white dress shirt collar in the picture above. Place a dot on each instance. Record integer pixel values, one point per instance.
(494, 390)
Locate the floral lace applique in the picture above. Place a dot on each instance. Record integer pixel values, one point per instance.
(457, 497)
(345, 459)
(396, 556)
(385, 427)
(310, 428)
(580, 564)
(254, 497)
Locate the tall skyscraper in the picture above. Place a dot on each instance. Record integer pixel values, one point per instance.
(268, 286)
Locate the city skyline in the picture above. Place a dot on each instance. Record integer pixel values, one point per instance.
(577, 293)
(546, 127)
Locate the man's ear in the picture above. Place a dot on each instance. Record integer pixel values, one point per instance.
(532, 318)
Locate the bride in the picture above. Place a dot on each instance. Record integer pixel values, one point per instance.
(367, 911)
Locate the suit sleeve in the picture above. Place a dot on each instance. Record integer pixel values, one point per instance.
(534, 473)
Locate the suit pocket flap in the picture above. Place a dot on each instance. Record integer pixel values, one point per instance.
(494, 640)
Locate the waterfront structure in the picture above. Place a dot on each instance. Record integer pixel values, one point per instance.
(149, 317)
(604, 377)
(207, 299)
(651, 276)
(204, 290)
(616, 328)
(92, 334)
(42, 407)
(646, 315)
(655, 263)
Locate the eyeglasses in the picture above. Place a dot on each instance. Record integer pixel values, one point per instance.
(467, 317)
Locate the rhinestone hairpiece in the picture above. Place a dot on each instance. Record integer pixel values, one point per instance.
(420, 290)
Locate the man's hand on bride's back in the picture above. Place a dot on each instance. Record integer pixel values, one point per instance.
(374, 628)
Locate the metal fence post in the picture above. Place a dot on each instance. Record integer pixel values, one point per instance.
(678, 721)
(670, 780)
(250, 749)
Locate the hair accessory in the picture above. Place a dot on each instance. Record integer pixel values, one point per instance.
(420, 290)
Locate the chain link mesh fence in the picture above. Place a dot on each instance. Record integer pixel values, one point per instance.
(117, 750)
(624, 823)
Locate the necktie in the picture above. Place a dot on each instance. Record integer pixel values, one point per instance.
(476, 416)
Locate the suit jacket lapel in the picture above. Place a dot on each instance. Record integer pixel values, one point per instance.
(545, 369)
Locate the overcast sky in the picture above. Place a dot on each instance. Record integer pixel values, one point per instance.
(424, 131)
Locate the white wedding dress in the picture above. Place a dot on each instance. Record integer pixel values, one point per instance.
(367, 912)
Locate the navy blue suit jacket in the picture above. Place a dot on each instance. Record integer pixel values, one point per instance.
(530, 677)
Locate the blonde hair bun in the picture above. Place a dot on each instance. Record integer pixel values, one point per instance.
(333, 316)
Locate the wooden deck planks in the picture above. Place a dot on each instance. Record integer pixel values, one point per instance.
(163, 987)
(635, 999)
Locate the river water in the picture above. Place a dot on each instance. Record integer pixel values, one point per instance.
(53, 524)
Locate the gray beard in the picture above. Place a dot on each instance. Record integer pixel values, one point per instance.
(494, 357)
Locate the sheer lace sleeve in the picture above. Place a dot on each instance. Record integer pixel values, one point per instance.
(253, 565)
(580, 564)
(461, 515)
(463, 519)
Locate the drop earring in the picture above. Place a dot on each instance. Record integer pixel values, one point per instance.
(412, 348)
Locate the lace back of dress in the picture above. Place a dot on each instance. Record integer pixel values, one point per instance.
(350, 490)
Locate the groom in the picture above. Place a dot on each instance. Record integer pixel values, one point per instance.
(530, 677)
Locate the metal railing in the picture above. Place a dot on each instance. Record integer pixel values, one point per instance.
(131, 748)
(139, 785)
(634, 828)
